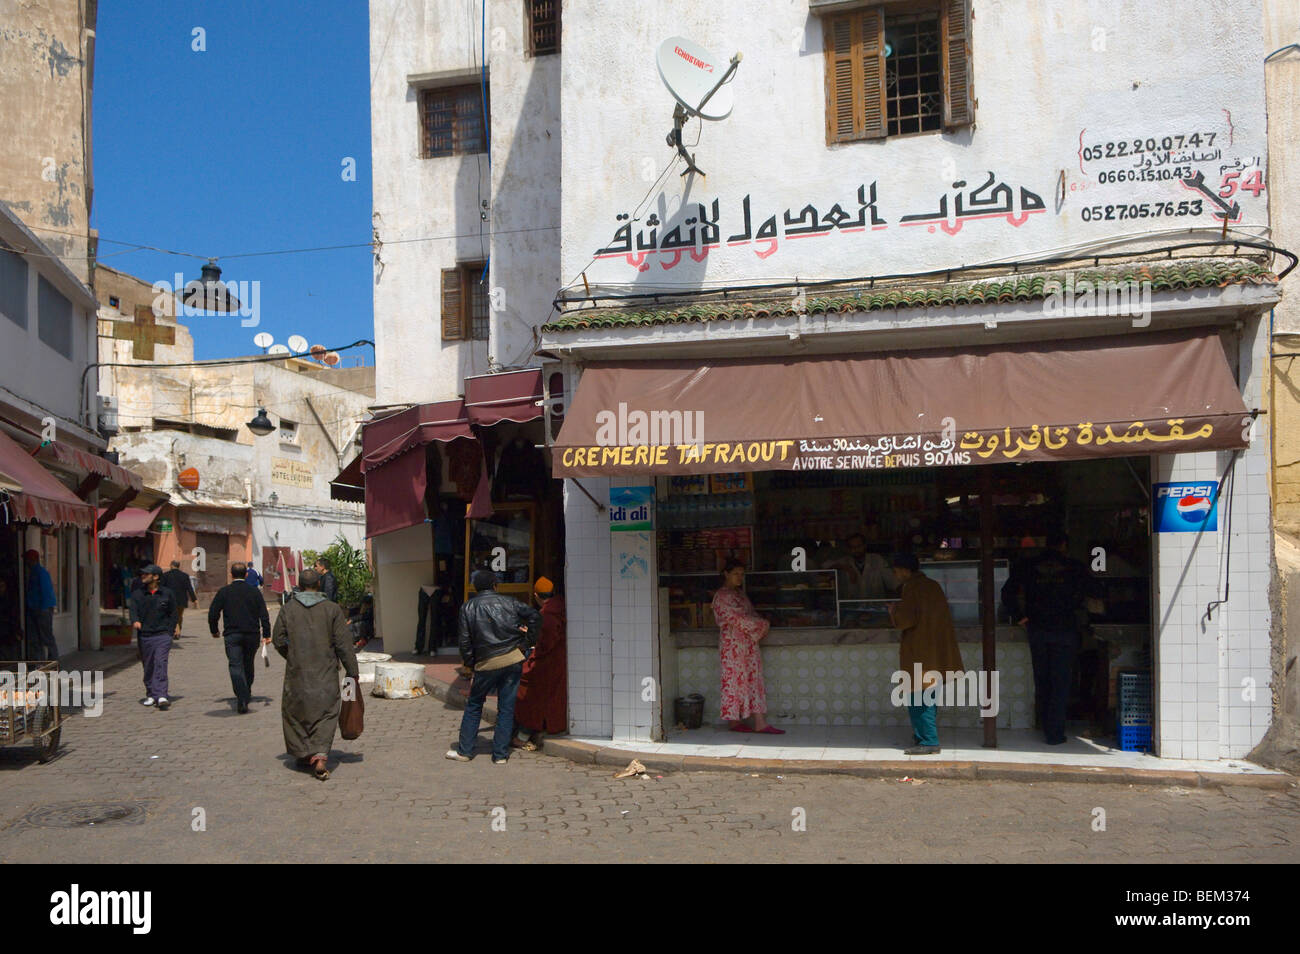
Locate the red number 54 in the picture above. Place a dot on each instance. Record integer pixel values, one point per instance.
(1254, 184)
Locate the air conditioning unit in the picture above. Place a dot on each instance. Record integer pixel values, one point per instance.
(106, 406)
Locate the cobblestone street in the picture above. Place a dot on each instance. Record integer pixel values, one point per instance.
(393, 797)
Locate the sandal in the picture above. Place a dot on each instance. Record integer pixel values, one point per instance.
(771, 730)
(741, 727)
(318, 766)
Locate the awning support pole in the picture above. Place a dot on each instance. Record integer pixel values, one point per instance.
(988, 608)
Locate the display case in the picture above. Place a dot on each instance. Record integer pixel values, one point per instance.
(789, 600)
(960, 580)
(503, 542)
(865, 614)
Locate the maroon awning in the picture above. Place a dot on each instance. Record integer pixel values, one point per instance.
(1159, 393)
(42, 498)
(393, 461)
(131, 522)
(506, 396)
(92, 464)
(350, 484)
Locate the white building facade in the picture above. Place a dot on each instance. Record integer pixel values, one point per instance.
(898, 177)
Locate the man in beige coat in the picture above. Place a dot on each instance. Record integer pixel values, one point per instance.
(928, 641)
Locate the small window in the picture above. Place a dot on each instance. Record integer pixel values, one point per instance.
(54, 318)
(13, 286)
(543, 26)
(288, 432)
(898, 71)
(451, 121)
(465, 298)
(114, 302)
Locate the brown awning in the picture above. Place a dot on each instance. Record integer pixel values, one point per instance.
(506, 396)
(394, 472)
(350, 484)
(42, 498)
(1160, 393)
(89, 464)
(130, 522)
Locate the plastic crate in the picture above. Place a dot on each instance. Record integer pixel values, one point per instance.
(1134, 698)
(1134, 738)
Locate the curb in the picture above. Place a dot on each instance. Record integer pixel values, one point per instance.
(586, 753)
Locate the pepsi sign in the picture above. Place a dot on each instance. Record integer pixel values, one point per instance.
(1185, 507)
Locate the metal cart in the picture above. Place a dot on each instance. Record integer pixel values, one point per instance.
(29, 706)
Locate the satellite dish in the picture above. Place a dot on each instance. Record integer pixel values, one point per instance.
(332, 359)
(263, 339)
(278, 349)
(695, 77)
(297, 344)
(318, 351)
(698, 81)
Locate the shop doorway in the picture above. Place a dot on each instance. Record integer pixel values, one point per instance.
(216, 547)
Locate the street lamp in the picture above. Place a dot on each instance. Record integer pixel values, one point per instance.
(260, 425)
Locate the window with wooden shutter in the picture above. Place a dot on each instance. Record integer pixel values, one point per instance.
(959, 101)
(453, 318)
(543, 26)
(897, 69)
(466, 308)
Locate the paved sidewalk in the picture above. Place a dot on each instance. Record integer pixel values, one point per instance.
(202, 784)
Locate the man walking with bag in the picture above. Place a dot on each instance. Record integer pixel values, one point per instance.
(245, 612)
(496, 633)
(154, 619)
(312, 634)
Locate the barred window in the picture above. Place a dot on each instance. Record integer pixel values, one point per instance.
(543, 28)
(466, 302)
(900, 72)
(451, 121)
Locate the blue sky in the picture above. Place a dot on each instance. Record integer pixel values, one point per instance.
(238, 149)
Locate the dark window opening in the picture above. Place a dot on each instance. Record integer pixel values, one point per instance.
(451, 121)
(913, 74)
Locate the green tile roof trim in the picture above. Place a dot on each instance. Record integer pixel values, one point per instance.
(1169, 276)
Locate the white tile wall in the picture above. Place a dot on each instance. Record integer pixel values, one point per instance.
(632, 576)
(1207, 706)
(587, 597)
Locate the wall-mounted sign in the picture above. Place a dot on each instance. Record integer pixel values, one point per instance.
(164, 526)
(291, 473)
(630, 508)
(188, 478)
(1188, 507)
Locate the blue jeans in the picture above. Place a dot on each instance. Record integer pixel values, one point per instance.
(241, 652)
(925, 729)
(505, 682)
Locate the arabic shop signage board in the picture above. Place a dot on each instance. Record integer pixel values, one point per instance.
(1188, 507)
(1183, 153)
(631, 508)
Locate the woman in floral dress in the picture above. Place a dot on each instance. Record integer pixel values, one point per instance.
(741, 629)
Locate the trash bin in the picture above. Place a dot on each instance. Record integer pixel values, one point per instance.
(689, 710)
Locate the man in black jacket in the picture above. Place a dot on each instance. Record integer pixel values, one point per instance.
(153, 617)
(1047, 596)
(496, 633)
(182, 587)
(245, 612)
(329, 587)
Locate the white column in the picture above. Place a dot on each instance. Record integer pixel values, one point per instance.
(633, 576)
(588, 608)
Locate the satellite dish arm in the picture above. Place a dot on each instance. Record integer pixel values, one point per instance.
(731, 71)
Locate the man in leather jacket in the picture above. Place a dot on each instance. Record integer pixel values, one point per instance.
(496, 633)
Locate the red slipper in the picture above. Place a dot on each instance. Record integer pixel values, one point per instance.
(771, 730)
(741, 727)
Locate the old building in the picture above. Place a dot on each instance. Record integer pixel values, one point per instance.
(931, 236)
(50, 449)
(458, 386)
(257, 497)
